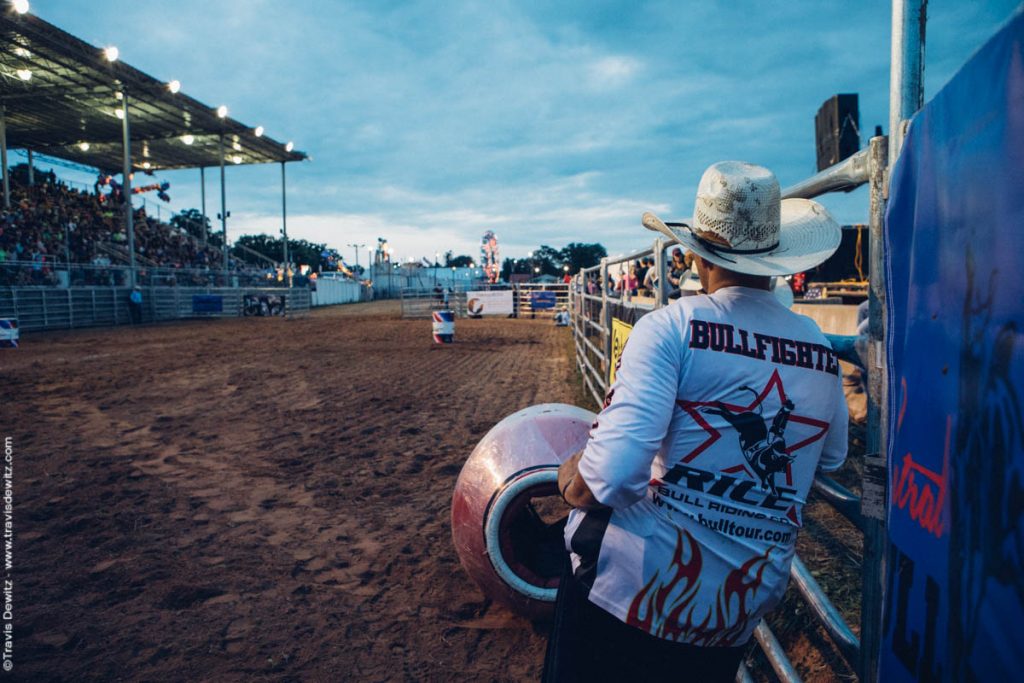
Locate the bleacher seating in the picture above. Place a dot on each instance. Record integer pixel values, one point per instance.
(51, 224)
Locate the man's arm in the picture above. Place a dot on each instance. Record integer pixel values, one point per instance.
(573, 487)
(615, 468)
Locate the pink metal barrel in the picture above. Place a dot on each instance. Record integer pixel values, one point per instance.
(507, 519)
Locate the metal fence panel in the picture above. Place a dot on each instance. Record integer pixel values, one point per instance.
(50, 308)
(419, 302)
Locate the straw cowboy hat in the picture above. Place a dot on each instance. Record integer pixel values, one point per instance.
(740, 223)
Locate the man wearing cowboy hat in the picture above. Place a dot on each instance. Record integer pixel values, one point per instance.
(689, 493)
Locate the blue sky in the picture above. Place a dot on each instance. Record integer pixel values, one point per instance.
(547, 122)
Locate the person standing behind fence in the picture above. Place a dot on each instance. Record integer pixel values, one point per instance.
(688, 495)
(135, 305)
(650, 281)
(676, 272)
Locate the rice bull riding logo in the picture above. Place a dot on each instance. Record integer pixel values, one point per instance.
(764, 478)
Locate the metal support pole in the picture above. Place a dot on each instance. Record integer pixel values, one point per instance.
(284, 227)
(126, 189)
(223, 212)
(202, 199)
(659, 268)
(873, 499)
(31, 169)
(606, 325)
(906, 75)
(3, 156)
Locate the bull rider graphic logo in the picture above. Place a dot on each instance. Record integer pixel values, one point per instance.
(764, 449)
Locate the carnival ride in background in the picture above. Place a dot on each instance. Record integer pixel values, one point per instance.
(489, 256)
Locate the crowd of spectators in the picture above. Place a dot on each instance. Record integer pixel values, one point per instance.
(640, 277)
(50, 225)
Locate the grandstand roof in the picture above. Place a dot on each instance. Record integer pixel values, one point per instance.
(73, 94)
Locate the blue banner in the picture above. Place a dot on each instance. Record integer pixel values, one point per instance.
(955, 249)
(542, 300)
(207, 303)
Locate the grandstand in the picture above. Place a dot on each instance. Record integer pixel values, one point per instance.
(65, 98)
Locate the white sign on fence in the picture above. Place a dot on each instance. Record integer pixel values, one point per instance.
(8, 333)
(485, 302)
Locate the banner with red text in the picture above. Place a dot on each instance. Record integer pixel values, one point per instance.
(954, 602)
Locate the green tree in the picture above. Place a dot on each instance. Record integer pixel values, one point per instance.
(548, 259)
(579, 256)
(461, 261)
(301, 252)
(192, 222)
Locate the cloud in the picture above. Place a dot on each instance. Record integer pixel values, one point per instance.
(555, 213)
(612, 72)
(431, 122)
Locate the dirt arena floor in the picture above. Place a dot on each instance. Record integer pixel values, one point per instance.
(262, 499)
(267, 499)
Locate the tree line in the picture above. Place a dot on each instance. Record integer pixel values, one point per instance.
(545, 260)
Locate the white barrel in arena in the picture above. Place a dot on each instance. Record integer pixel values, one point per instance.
(444, 327)
(507, 517)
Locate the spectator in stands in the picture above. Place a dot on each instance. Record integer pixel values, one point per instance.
(629, 282)
(50, 223)
(650, 281)
(676, 272)
(641, 272)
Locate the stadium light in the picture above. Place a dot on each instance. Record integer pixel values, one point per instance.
(24, 74)
(174, 86)
(111, 53)
(236, 146)
(290, 146)
(145, 165)
(84, 146)
(536, 269)
(20, 6)
(119, 113)
(188, 138)
(222, 111)
(237, 159)
(259, 131)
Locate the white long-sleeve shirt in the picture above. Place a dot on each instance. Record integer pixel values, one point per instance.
(723, 407)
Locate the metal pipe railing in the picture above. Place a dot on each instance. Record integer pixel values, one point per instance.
(848, 174)
(842, 635)
(775, 654)
(843, 500)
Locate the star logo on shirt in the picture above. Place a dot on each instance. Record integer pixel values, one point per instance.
(763, 444)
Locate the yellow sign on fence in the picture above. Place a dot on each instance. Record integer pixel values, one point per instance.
(620, 333)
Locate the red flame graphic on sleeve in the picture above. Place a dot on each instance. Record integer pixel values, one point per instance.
(648, 607)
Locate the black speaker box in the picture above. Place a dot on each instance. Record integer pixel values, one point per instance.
(837, 129)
